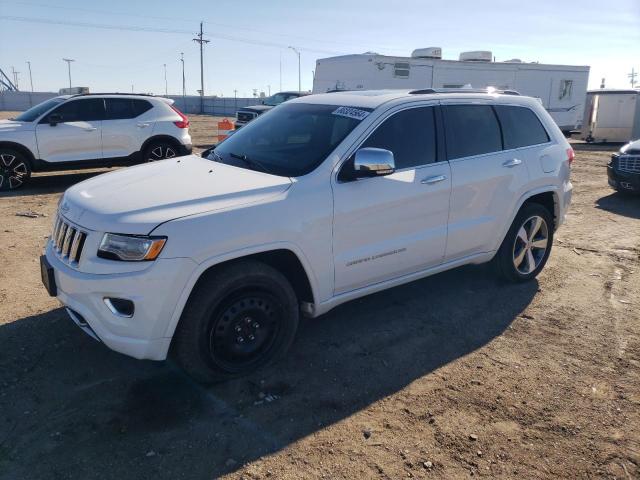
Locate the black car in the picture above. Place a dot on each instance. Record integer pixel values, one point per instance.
(246, 114)
(624, 168)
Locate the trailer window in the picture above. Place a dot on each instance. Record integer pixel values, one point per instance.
(566, 86)
(520, 127)
(401, 69)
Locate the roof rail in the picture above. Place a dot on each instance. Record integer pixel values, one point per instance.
(427, 91)
(114, 93)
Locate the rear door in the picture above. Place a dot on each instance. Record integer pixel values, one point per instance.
(77, 136)
(128, 123)
(486, 180)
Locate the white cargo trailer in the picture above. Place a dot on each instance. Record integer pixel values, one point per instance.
(611, 115)
(561, 88)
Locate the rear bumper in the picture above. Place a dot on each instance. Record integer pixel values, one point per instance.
(623, 181)
(185, 150)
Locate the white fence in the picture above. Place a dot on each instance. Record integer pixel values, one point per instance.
(219, 106)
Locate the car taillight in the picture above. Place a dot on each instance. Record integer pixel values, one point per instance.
(184, 123)
(571, 155)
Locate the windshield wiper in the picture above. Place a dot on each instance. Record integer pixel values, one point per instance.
(250, 162)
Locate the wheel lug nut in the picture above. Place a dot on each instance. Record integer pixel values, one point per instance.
(238, 329)
(240, 339)
(247, 320)
(251, 337)
(256, 325)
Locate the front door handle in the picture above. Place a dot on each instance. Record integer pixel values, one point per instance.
(432, 180)
(512, 163)
(90, 129)
(143, 125)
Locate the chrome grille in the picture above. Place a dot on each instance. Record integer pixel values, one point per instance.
(68, 241)
(629, 163)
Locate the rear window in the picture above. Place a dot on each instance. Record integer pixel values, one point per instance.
(471, 130)
(123, 108)
(520, 127)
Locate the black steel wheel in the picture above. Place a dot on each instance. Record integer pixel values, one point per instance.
(239, 318)
(15, 170)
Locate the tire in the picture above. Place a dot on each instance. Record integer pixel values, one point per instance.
(238, 319)
(159, 150)
(15, 169)
(522, 256)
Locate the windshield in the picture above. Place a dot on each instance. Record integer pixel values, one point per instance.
(277, 99)
(34, 112)
(290, 140)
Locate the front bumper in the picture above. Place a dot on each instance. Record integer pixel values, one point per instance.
(623, 181)
(154, 290)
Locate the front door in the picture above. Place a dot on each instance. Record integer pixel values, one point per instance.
(390, 226)
(76, 136)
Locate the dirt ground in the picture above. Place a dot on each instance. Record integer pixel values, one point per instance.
(453, 376)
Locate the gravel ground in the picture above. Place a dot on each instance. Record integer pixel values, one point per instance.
(452, 376)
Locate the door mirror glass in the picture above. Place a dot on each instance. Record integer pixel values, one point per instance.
(373, 162)
(54, 119)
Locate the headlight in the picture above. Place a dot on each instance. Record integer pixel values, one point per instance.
(130, 248)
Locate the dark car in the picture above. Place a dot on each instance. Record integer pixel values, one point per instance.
(246, 114)
(624, 169)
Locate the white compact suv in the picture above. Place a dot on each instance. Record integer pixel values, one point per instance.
(319, 201)
(88, 131)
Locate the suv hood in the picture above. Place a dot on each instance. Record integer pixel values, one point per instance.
(10, 126)
(135, 200)
(256, 108)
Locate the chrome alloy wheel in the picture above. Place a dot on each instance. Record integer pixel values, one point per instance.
(530, 245)
(161, 152)
(13, 171)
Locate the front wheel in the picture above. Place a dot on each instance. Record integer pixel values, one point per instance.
(527, 245)
(238, 319)
(14, 170)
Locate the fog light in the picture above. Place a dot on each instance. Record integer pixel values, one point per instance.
(120, 306)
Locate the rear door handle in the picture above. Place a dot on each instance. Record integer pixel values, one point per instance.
(90, 129)
(143, 125)
(512, 163)
(432, 180)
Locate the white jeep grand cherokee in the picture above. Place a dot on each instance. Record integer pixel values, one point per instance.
(88, 131)
(319, 201)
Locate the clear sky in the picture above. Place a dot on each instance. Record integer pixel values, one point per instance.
(248, 38)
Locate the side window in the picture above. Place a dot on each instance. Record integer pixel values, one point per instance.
(471, 130)
(410, 135)
(520, 127)
(85, 110)
(123, 108)
(141, 106)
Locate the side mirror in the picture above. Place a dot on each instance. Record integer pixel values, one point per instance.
(373, 162)
(54, 119)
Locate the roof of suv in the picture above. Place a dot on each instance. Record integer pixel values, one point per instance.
(143, 96)
(375, 98)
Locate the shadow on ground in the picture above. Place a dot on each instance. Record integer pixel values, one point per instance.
(52, 183)
(70, 408)
(620, 203)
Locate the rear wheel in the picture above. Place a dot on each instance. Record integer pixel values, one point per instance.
(527, 245)
(240, 318)
(15, 170)
(160, 150)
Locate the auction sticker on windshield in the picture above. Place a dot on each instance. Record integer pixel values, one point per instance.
(351, 112)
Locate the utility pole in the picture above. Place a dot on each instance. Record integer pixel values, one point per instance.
(299, 75)
(201, 41)
(235, 99)
(632, 76)
(15, 77)
(166, 89)
(184, 100)
(269, 88)
(280, 70)
(30, 76)
(69, 60)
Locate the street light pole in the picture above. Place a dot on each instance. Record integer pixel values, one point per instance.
(30, 76)
(166, 90)
(69, 60)
(184, 100)
(299, 74)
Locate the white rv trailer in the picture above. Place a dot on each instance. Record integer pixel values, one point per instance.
(611, 115)
(561, 88)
